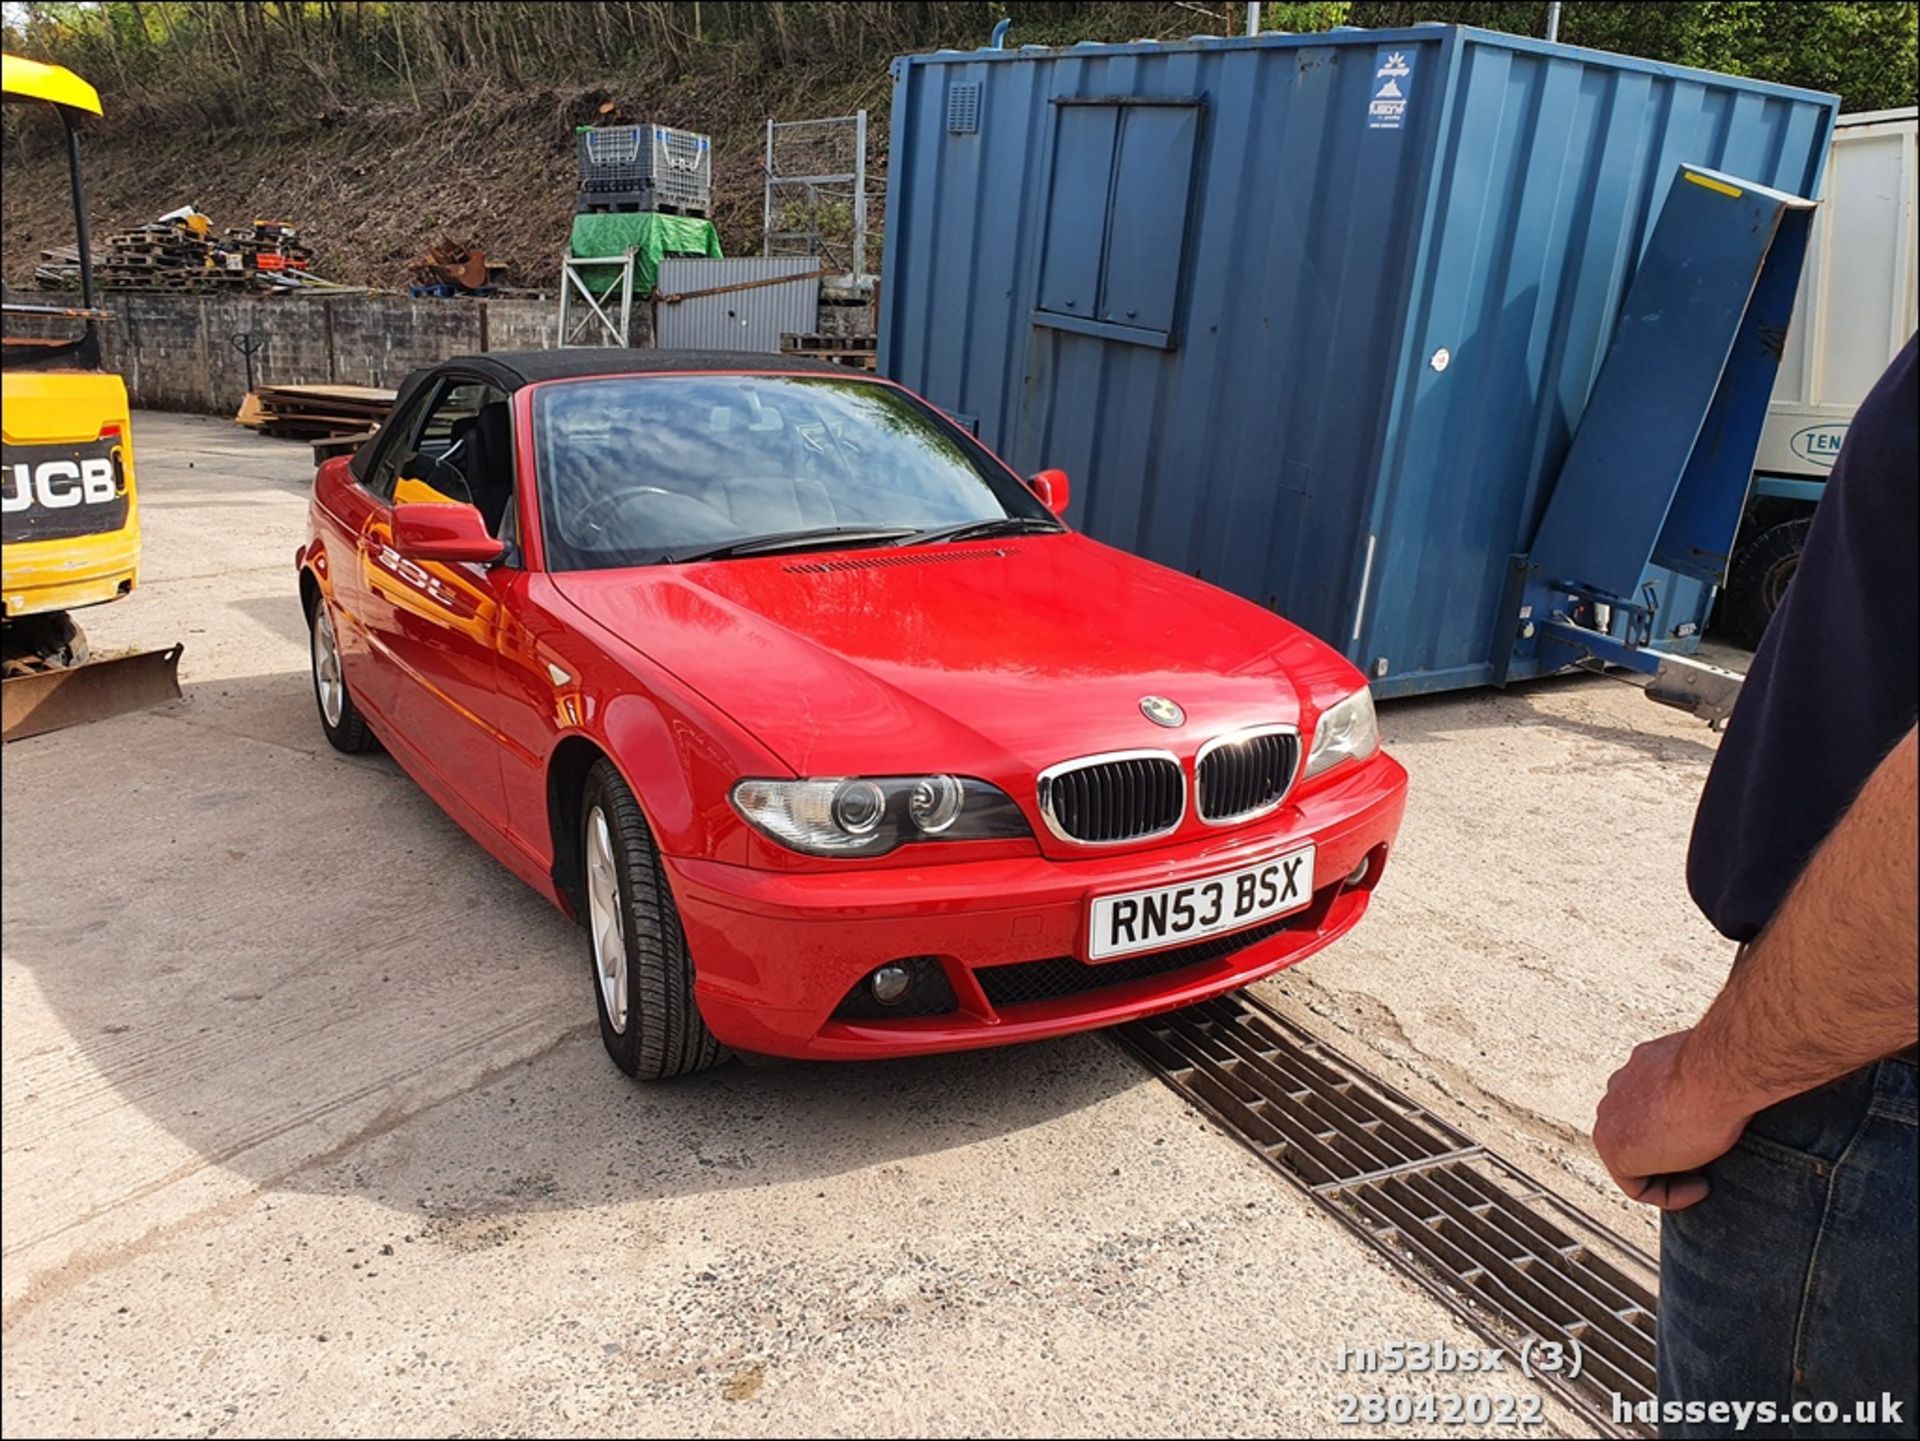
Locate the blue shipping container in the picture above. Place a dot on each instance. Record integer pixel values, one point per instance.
(1312, 316)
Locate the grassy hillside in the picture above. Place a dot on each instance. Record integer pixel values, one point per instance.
(378, 128)
(372, 184)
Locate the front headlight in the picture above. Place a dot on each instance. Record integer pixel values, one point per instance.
(1346, 731)
(871, 815)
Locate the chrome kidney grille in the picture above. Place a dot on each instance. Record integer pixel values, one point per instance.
(1109, 800)
(1245, 774)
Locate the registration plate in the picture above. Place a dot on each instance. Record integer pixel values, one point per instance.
(1209, 906)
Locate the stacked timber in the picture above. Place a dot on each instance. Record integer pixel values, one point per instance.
(315, 412)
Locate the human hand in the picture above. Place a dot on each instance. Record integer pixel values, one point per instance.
(1658, 1125)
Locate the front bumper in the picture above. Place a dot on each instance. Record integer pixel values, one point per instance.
(775, 953)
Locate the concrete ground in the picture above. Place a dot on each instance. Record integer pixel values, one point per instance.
(307, 1127)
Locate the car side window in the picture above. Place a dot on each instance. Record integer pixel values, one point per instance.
(462, 454)
(398, 432)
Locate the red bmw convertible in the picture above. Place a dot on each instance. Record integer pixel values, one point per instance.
(836, 739)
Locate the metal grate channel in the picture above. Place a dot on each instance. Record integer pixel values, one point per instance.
(1511, 1259)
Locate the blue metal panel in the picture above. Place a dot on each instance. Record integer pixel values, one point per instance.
(1544, 194)
(1624, 488)
(1644, 510)
(1147, 216)
(1697, 539)
(1780, 487)
(1294, 422)
(1083, 147)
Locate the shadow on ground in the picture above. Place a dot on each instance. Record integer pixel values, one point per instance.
(1552, 701)
(300, 970)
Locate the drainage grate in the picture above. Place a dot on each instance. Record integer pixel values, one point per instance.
(1515, 1262)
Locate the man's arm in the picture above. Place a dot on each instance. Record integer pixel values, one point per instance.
(1829, 986)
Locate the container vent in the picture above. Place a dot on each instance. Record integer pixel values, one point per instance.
(963, 109)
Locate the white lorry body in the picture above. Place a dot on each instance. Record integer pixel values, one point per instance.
(1856, 306)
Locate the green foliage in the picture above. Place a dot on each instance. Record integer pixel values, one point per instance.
(1864, 52)
(232, 63)
(1306, 16)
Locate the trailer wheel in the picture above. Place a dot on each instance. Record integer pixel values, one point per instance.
(1761, 573)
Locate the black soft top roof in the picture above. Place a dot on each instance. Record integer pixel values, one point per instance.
(516, 368)
(512, 369)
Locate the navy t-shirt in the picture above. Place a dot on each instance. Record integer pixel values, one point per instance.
(1833, 687)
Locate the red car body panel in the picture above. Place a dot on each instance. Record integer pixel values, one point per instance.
(991, 659)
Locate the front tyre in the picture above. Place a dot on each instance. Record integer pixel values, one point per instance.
(340, 718)
(643, 977)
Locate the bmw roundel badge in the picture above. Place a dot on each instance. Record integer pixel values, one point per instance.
(1161, 711)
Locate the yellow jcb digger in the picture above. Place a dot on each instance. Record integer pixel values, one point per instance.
(69, 518)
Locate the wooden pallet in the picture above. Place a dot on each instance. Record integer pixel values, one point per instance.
(315, 412)
(858, 352)
(171, 258)
(330, 446)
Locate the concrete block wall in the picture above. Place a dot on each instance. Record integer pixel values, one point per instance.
(177, 352)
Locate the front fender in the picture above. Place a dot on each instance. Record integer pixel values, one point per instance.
(681, 767)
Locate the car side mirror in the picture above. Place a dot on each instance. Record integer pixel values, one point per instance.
(1052, 488)
(448, 533)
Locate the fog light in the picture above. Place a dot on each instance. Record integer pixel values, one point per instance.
(890, 984)
(1361, 871)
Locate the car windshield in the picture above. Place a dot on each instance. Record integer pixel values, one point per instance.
(641, 470)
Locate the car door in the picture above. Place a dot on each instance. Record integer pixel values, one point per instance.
(358, 519)
(440, 624)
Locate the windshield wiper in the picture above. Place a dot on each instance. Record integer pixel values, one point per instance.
(818, 536)
(976, 529)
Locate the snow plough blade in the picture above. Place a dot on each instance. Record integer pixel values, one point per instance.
(55, 698)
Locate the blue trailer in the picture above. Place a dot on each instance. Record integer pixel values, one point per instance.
(1319, 317)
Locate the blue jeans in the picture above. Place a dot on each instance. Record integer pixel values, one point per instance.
(1794, 1281)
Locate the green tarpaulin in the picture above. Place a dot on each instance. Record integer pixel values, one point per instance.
(648, 235)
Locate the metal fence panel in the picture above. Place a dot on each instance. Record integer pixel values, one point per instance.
(746, 320)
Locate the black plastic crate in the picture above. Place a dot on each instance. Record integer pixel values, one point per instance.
(671, 168)
(643, 196)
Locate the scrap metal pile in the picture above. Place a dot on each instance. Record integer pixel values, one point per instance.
(450, 268)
